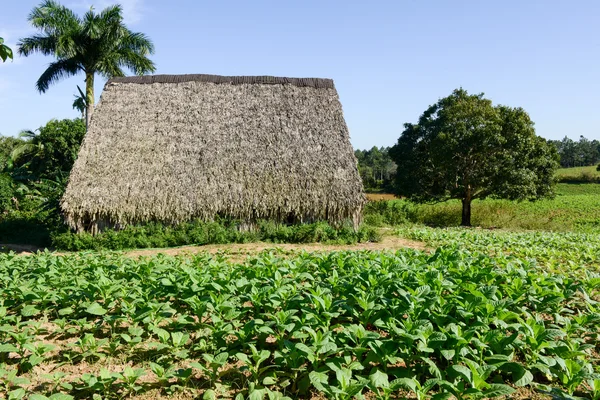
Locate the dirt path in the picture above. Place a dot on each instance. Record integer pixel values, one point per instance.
(240, 251)
(387, 243)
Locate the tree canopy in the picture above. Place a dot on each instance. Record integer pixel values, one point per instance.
(579, 153)
(97, 43)
(376, 168)
(465, 148)
(49, 154)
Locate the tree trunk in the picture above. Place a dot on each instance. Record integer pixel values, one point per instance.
(89, 97)
(466, 211)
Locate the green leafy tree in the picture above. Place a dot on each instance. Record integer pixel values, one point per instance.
(376, 168)
(97, 43)
(465, 148)
(581, 153)
(49, 154)
(6, 192)
(7, 146)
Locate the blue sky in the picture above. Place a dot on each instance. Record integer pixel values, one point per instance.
(389, 59)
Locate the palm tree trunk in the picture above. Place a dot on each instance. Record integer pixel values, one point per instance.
(89, 94)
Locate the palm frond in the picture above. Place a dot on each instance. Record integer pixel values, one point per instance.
(137, 63)
(56, 71)
(52, 17)
(27, 134)
(44, 44)
(80, 102)
(138, 42)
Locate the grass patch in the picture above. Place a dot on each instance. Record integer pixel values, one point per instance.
(589, 174)
(575, 208)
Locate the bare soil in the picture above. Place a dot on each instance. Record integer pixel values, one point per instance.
(380, 196)
(388, 243)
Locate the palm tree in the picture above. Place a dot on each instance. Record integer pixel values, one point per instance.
(29, 149)
(96, 43)
(79, 103)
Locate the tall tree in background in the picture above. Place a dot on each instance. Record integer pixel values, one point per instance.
(5, 51)
(577, 154)
(376, 168)
(465, 148)
(98, 43)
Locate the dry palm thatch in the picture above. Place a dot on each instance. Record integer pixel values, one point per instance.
(172, 148)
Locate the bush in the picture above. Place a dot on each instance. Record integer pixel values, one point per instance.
(6, 192)
(156, 235)
(23, 228)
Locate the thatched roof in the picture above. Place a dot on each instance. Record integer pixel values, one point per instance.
(176, 147)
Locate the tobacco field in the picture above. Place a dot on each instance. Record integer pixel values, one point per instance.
(450, 323)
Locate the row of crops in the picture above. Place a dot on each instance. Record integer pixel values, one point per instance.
(563, 253)
(452, 323)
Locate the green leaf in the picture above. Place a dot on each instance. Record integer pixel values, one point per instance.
(523, 379)
(257, 394)
(16, 394)
(65, 311)
(36, 396)
(304, 348)
(410, 384)
(448, 354)
(209, 395)
(29, 311)
(463, 372)
(520, 375)
(496, 390)
(8, 348)
(318, 379)
(61, 396)
(95, 309)
(269, 381)
(379, 379)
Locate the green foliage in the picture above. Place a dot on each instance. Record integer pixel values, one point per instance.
(340, 325)
(584, 152)
(376, 168)
(7, 192)
(35, 176)
(465, 148)
(574, 252)
(51, 153)
(7, 145)
(27, 228)
(5, 51)
(156, 235)
(95, 43)
(575, 208)
(590, 174)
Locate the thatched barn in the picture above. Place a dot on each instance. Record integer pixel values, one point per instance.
(173, 148)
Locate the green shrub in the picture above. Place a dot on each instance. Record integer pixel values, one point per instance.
(6, 192)
(24, 228)
(156, 235)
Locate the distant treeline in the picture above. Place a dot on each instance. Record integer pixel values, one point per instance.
(581, 153)
(377, 169)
